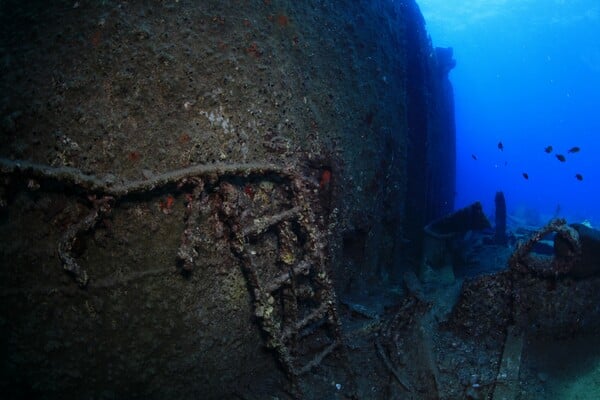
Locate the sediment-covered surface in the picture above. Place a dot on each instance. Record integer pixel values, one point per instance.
(143, 293)
(217, 201)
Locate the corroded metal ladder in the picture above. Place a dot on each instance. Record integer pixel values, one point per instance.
(296, 307)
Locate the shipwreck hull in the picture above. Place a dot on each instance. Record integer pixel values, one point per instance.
(145, 292)
(186, 190)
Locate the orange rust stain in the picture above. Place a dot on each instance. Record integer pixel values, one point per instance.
(96, 38)
(325, 179)
(166, 206)
(249, 191)
(253, 50)
(184, 138)
(282, 20)
(134, 156)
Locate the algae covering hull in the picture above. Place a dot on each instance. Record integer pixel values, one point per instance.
(143, 293)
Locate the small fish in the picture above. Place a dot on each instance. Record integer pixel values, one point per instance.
(579, 177)
(474, 157)
(526, 175)
(500, 146)
(561, 158)
(574, 150)
(548, 149)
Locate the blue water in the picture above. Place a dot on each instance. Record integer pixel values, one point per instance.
(527, 75)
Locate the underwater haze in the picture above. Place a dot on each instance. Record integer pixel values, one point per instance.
(528, 77)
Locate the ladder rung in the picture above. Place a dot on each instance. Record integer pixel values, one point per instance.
(318, 358)
(313, 316)
(262, 224)
(277, 282)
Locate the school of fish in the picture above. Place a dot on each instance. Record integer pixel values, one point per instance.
(547, 150)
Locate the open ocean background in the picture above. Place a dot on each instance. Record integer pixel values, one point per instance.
(527, 75)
